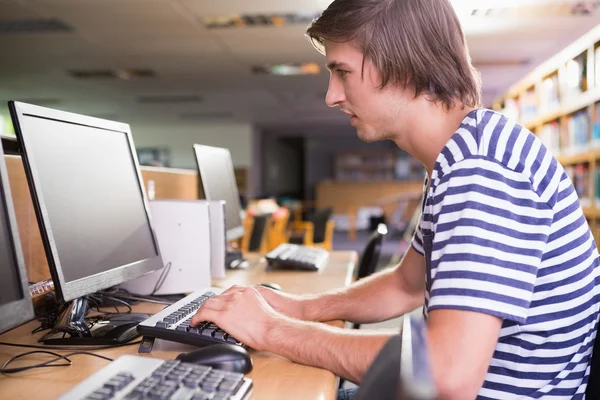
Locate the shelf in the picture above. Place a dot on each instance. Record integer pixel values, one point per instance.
(583, 101)
(586, 157)
(591, 212)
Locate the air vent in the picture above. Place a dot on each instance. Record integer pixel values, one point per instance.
(33, 26)
(170, 99)
(196, 116)
(247, 20)
(123, 74)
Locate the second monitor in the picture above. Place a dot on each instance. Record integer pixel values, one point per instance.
(215, 167)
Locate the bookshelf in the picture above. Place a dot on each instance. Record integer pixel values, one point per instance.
(560, 102)
(367, 165)
(376, 165)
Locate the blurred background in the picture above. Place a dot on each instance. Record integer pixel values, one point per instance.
(240, 74)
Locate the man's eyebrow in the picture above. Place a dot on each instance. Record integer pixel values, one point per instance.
(336, 64)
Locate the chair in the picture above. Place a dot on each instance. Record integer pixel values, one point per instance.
(370, 256)
(368, 261)
(317, 231)
(593, 388)
(258, 229)
(278, 233)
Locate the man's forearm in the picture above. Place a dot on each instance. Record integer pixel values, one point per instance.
(377, 298)
(347, 353)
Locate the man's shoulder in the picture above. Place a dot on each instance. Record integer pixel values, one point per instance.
(489, 141)
(489, 135)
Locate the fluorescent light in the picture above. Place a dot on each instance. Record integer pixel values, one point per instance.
(288, 69)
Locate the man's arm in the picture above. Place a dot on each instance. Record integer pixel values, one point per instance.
(245, 315)
(461, 345)
(381, 296)
(346, 353)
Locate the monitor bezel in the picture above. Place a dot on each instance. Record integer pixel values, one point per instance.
(238, 231)
(19, 311)
(67, 291)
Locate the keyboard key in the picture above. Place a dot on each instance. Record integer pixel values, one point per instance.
(161, 324)
(231, 339)
(201, 396)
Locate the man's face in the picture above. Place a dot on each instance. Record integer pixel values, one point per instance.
(377, 114)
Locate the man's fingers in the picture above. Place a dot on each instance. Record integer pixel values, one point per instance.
(233, 289)
(205, 314)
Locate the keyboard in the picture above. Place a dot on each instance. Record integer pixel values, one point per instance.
(137, 378)
(294, 256)
(173, 323)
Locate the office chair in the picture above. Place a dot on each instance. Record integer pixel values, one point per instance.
(317, 231)
(257, 242)
(278, 233)
(593, 388)
(370, 256)
(368, 261)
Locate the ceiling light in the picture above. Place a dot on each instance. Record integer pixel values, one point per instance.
(287, 69)
(253, 20)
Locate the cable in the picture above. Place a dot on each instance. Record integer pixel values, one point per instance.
(161, 278)
(66, 348)
(48, 363)
(95, 300)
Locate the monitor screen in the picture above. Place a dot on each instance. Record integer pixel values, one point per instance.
(15, 304)
(89, 193)
(218, 183)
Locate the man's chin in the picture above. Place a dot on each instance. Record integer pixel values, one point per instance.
(365, 136)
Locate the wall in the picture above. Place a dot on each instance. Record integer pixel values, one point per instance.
(237, 137)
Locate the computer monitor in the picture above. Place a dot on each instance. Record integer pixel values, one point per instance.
(218, 183)
(15, 304)
(92, 211)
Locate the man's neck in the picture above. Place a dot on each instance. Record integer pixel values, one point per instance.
(432, 132)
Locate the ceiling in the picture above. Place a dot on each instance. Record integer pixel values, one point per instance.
(209, 70)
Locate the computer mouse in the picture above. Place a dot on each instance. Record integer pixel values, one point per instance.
(273, 286)
(224, 356)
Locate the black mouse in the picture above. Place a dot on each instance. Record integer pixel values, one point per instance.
(273, 286)
(226, 357)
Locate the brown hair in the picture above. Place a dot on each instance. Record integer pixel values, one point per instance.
(415, 43)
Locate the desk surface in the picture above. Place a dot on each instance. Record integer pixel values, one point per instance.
(274, 377)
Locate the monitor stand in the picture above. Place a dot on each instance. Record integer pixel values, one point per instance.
(235, 260)
(73, 329)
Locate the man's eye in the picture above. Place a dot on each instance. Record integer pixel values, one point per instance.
(341, 72)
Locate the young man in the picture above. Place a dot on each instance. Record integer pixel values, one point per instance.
(503, 259)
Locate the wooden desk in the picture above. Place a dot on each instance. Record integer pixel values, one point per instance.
(274, 377)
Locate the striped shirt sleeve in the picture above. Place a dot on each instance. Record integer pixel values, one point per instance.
(490, 231)
(417, 240)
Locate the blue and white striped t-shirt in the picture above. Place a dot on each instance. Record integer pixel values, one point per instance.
(510, 239)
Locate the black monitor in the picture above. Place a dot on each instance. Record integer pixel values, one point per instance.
(92, 211)
(218, 183)
(15, 304)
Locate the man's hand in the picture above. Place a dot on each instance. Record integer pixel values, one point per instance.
(292, 305)
(242, 313)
